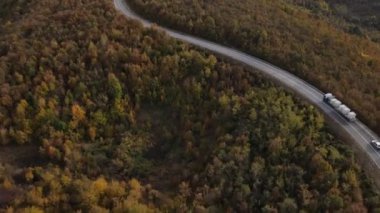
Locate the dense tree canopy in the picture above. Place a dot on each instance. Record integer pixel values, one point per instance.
(358, 17)
(301, 40)
(125, 119)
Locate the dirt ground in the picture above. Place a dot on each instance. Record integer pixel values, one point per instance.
(13, 159)
(20, 156)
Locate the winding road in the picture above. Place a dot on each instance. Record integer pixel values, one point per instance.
(357, 131)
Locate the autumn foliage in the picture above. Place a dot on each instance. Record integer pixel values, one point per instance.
(292, 34)
(126, 119)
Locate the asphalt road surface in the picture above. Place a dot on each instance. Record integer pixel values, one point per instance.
(357, 131)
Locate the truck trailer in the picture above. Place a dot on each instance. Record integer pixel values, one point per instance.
(339, 107)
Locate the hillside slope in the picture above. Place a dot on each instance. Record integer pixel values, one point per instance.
(356, 17)
(289, 36)
(364, 15)
(124, 118)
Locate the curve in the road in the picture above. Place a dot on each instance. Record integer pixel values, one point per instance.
(357, 131)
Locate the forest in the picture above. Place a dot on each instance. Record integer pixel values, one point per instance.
(357, 17)
(98, 114)
(290, 34)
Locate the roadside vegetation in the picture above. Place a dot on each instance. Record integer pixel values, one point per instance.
(357, 17)
(296, 35)
(118, 118)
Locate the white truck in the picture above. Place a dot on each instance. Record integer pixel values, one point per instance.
(338, 106)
